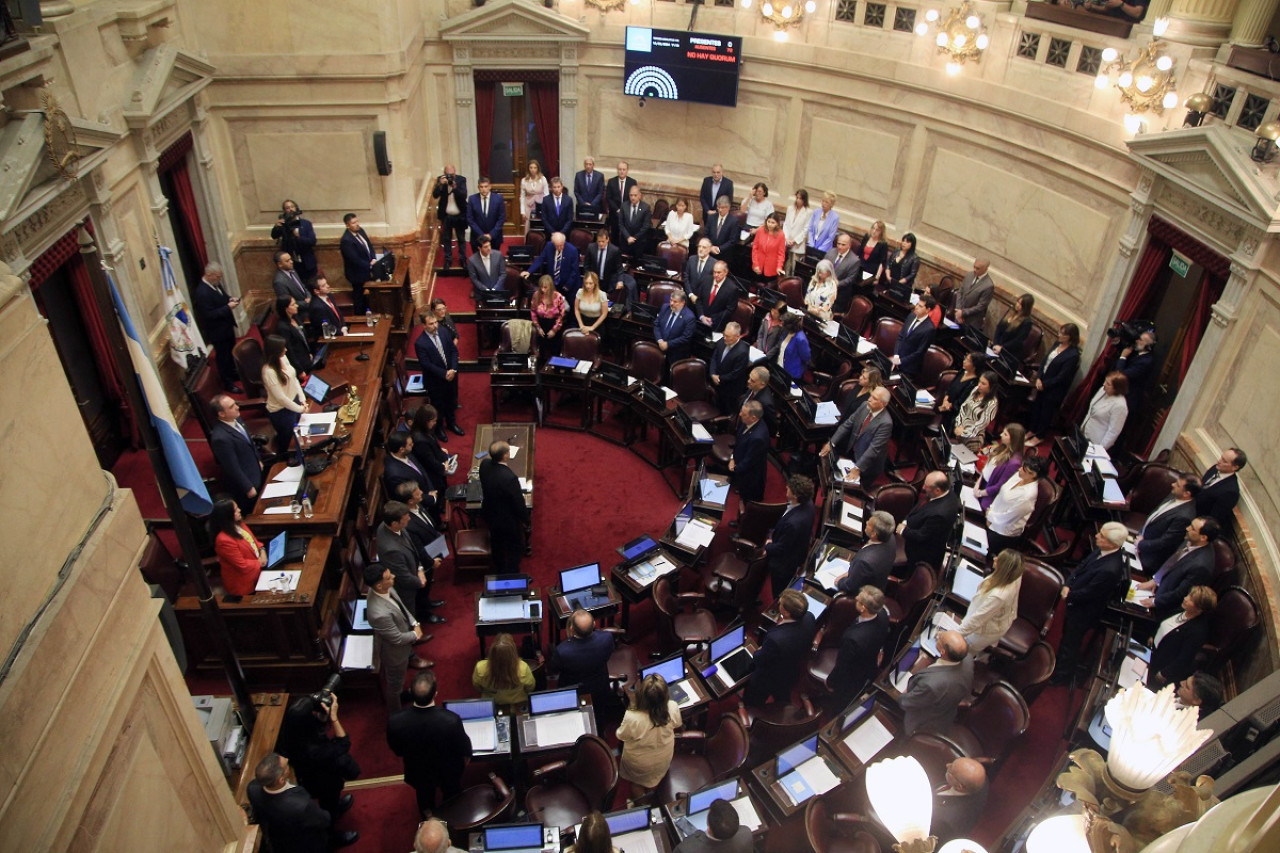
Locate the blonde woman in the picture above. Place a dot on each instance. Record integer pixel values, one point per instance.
(995, 605)
(820, 296)
(648, 735)
(824, 225)
(590, 306)
(796, 228)
(873, 251)
(533, 189)
(502, 676)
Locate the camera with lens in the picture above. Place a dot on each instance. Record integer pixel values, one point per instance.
(323, 698)
(1126, 333)
(290, 218)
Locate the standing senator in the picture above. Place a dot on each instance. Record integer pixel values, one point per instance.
(728, 368)
(864, 438)
(503, 508)
(235, 452)
(557, 209)
(750, 460)
(433, 743)
(216, 319)
(714, 186)
(788, 543)
(438, 356)
(358, 259)
(486, 214)
(588, 189)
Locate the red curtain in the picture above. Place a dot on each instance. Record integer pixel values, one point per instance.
(484, 124)
(1136, 301)
(546, 112)
(185, 199)
(108, 370)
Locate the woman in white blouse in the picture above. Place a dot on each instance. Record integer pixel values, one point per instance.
(1009, 513)
(679, 225)
(533, 188)
(796, 228)
(285, 400)
(977, 412)
(1107, 411)
(757, 206)
(820, 297)
(995, 605)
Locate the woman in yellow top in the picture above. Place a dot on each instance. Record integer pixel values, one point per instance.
(648, 735)
(503, 676)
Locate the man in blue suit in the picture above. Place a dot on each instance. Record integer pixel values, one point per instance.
(781, 658)
(864, 438)
(557, 209)
(438, 356)
(788, 544)
(750, 459)
(583, 659)
(358, 259)
(1165, 528)
(588, 189)
(558, 259)
(673, 328)
(236, 453)
(1191, 565)
(914, 340)
(714, 186)
(486, 214)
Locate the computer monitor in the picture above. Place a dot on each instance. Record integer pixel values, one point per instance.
(793, 756)
(628, 820)
(276, 550)
(551, 701)
(316, 388)
(671, 669)
(638, 547)
(908, 660)
(513, 837)
(643, 312)
(580, 577)
(472, 709)
(512, 360)
(683, 517)
(652, 394)
(700, 801)
(728, 641)
(770, 297)
(612, 373)
(856, 713)
(880, 362)
(506, 584)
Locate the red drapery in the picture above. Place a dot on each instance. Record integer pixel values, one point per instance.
(546, 111)
(1136, 301)
(189, 214)
(108, 370)
(484, 124)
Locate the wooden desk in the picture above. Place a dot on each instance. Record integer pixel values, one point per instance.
(702, 660)
(510, 380)
(767, 779)
(526, 723)
(840, 732)
(561, 609)
(834, 525)
(565, 382)
(742, 800)
(702, 506)
(518, 435)
(634, 582)
(491, 628)
(334, 485)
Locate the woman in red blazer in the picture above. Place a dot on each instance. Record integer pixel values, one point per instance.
(241, 556)
(768, 250)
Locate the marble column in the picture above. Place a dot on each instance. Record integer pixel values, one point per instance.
(209, 200)
(568, 113)
(464, 101)
(1251, 22)
(1156, 10)
(1202, 23)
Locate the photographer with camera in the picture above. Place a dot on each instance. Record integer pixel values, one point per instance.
(451, 212)
(295, 235)
(322, 762)
(1137, 362)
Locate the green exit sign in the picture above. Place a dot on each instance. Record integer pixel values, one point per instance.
(513, 90)
(1179, 263)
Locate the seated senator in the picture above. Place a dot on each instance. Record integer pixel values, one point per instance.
(502, 676)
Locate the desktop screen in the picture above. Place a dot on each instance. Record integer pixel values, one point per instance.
(702, 800)
(627, 821)
(857, 714)
(580, 577)
(513, 837)
(794, 756)
(506, 584)
(316, 388)
(472, 709)
(727, 642)
(909, 659)
(275, 549)
(639, 546)
(553, 700)
(672, 670)
(682, 517)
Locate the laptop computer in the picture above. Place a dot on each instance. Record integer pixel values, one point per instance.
(553, 701)
(638, 549)
(514, 838)
(816, 605)
(583, 586)
(316, 388)
(855, 714)
(730, 655)
(683, 516)
(285, 549)
(672, 671)
(612, 373)
(793, 756)
(479, 720)
(320, 357)
(700, 802)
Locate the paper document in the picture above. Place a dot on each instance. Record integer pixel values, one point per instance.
(944, 621)
(279, 581)
(746, 813)
(696, 534)
(851, 516)
(831, 571)
(924, 399)
(1139, 596)
(279, 490)
(558, 728)
(754, 355)
(582, 367)
(699, 433)
(1132, 671)
(358, 335)
(975, 537)
(865, 346)
(970, 499)
(644, 574)
(1111, 492)
(292, 474)
(513, 452)
(640, 841)
(716, 336)
(965, 584)
(631, 380)
(844, 466)
(796, 390)
(357, 651)
(1104, 467)
(438, 547)
(827, 414)
(483, 734)
(502, 609)
(831, 328)
(868, 739)
(526, 485)
(669, 393)
(713, 491)
(809, 780)
(277, 510)
(329, 420)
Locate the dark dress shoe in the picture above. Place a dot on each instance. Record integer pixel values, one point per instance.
(344, 805)
(438, 602)
(457, 430)
(441, 437)
(346, 839)
(421, 663)
(433, 619)
(234, 389)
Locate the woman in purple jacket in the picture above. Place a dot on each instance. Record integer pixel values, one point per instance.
(1003, 461)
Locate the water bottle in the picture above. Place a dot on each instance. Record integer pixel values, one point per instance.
(295, 507)
(368, 317)
(307, 511)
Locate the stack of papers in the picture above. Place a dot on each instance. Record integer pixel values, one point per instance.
(970, 499)
(924, 399)
(754, 354)
(700, 434)
(974, 537)
(291, 474)
(831, 328)
(831, 571)
(844, 466)
(1139, 596)
(583, 367)
(713, 491)
(640, 841)
(809, 780)
(558, 728)
(280, 490)
(503, 609)
(279, 581)
(827, 414)
(644, 574)
(746, 813)
(865, 346)
(868, 739)
(1132, 671)
(483, 734)
(360, 621)
(357, 651)
(1111, 492)
(696, 534)
(327, 421)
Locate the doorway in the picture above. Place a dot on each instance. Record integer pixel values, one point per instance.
(517, 120)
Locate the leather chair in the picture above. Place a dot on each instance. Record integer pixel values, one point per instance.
(1037, 600)
(936, 360)
(660, 293)
(1028, 675)
(743, 315)
(475, 807)
(504, 339)
(700, 759)
(1031, 346)
(775, 726)
(858, 314)
(792, 287)
(564, 792)
(932, 750)
(205, 384)
(944, 291)
(581, 239)
(269, 323)
(247, 354)
(897, 499)
(535, 240)
(824, 386)
(158, 567)
(1233, 623)
(646, 361)
(678, 629)
(989, 727)
(830, 831)
(472, 552)
(693, 389)
(1224, 566)
(516, 287)
(886, 335)
(659, 212)
(835, 620)
(584, 346)
(1047, 493)
(737, 580)
(673, 256)
(623, 666)
(845, 395)
(757, 520)
(1147, 486)
(906, 602)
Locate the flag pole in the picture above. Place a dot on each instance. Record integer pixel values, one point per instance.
(214, 622)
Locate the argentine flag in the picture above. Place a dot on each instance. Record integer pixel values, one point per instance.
(184, 337)
(191, 490)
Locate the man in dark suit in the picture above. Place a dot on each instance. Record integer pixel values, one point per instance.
(728, 369)
(720, 299)
(616, 193)
(1221, 488)
(928, 525)
(1165, 528)
(788, 542)
(399, 465)
(914, 340)
(558, 259)
(433, 743)
(974, 296)
(864, 438)
(714, 186)
(216, 319)
(758, 390)
(399, 553)
(323, 311)
(486, 214)
(858, 656)
(582, 659)
(848, 269)
(486, 268)
(423, 531)
(395, 633)
(780, 660)
(750, 460)
(698, 271)
(588, 189)
(292, 821)
(635, 222)
(1100, 579)
(1191, 565)
(722, 229)
(934, 694)
(504, 508)
(673, 328)
(235, 452)
(959, 803)
(438, 356)
(873, 563)
(450, 193)
(358, 259)
(297, 236)
(286, 282)
(557, 209)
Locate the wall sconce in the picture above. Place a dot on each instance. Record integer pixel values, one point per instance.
(1265, 148)
(1198, 106)
(961, 36)
(1145, 83)
(784, 14)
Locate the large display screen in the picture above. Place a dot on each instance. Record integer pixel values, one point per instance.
(681, 66)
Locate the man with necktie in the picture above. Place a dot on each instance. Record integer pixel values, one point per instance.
(616, 194)
(1098, 580)
(673, 328)
(728, 368)
(605, 260)
(721, 299)
(974, 296)
(635, 221)
(714, 186)
(1191, 565)
(788, 542)
(914, 340)
(358, 259)
(698, 271)
(286, 282)
(558, 259)
(721, 229)
(750, 460)
(235, 452)
(216, 319)
(588, 190)
(486, 214)
(1165, 528)
(557, 209)
(1221, 491)
(399, 553)
(438, 356)
(848, 270)
(395, 633)
(323, 310)
(864, 438)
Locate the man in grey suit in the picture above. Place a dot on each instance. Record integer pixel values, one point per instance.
(286, 282)
(873, 563)
(848, 270)
(487, 268)
(935, 693)
(398, 553)
(864, 438)
(974, 295)
(395, 632)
